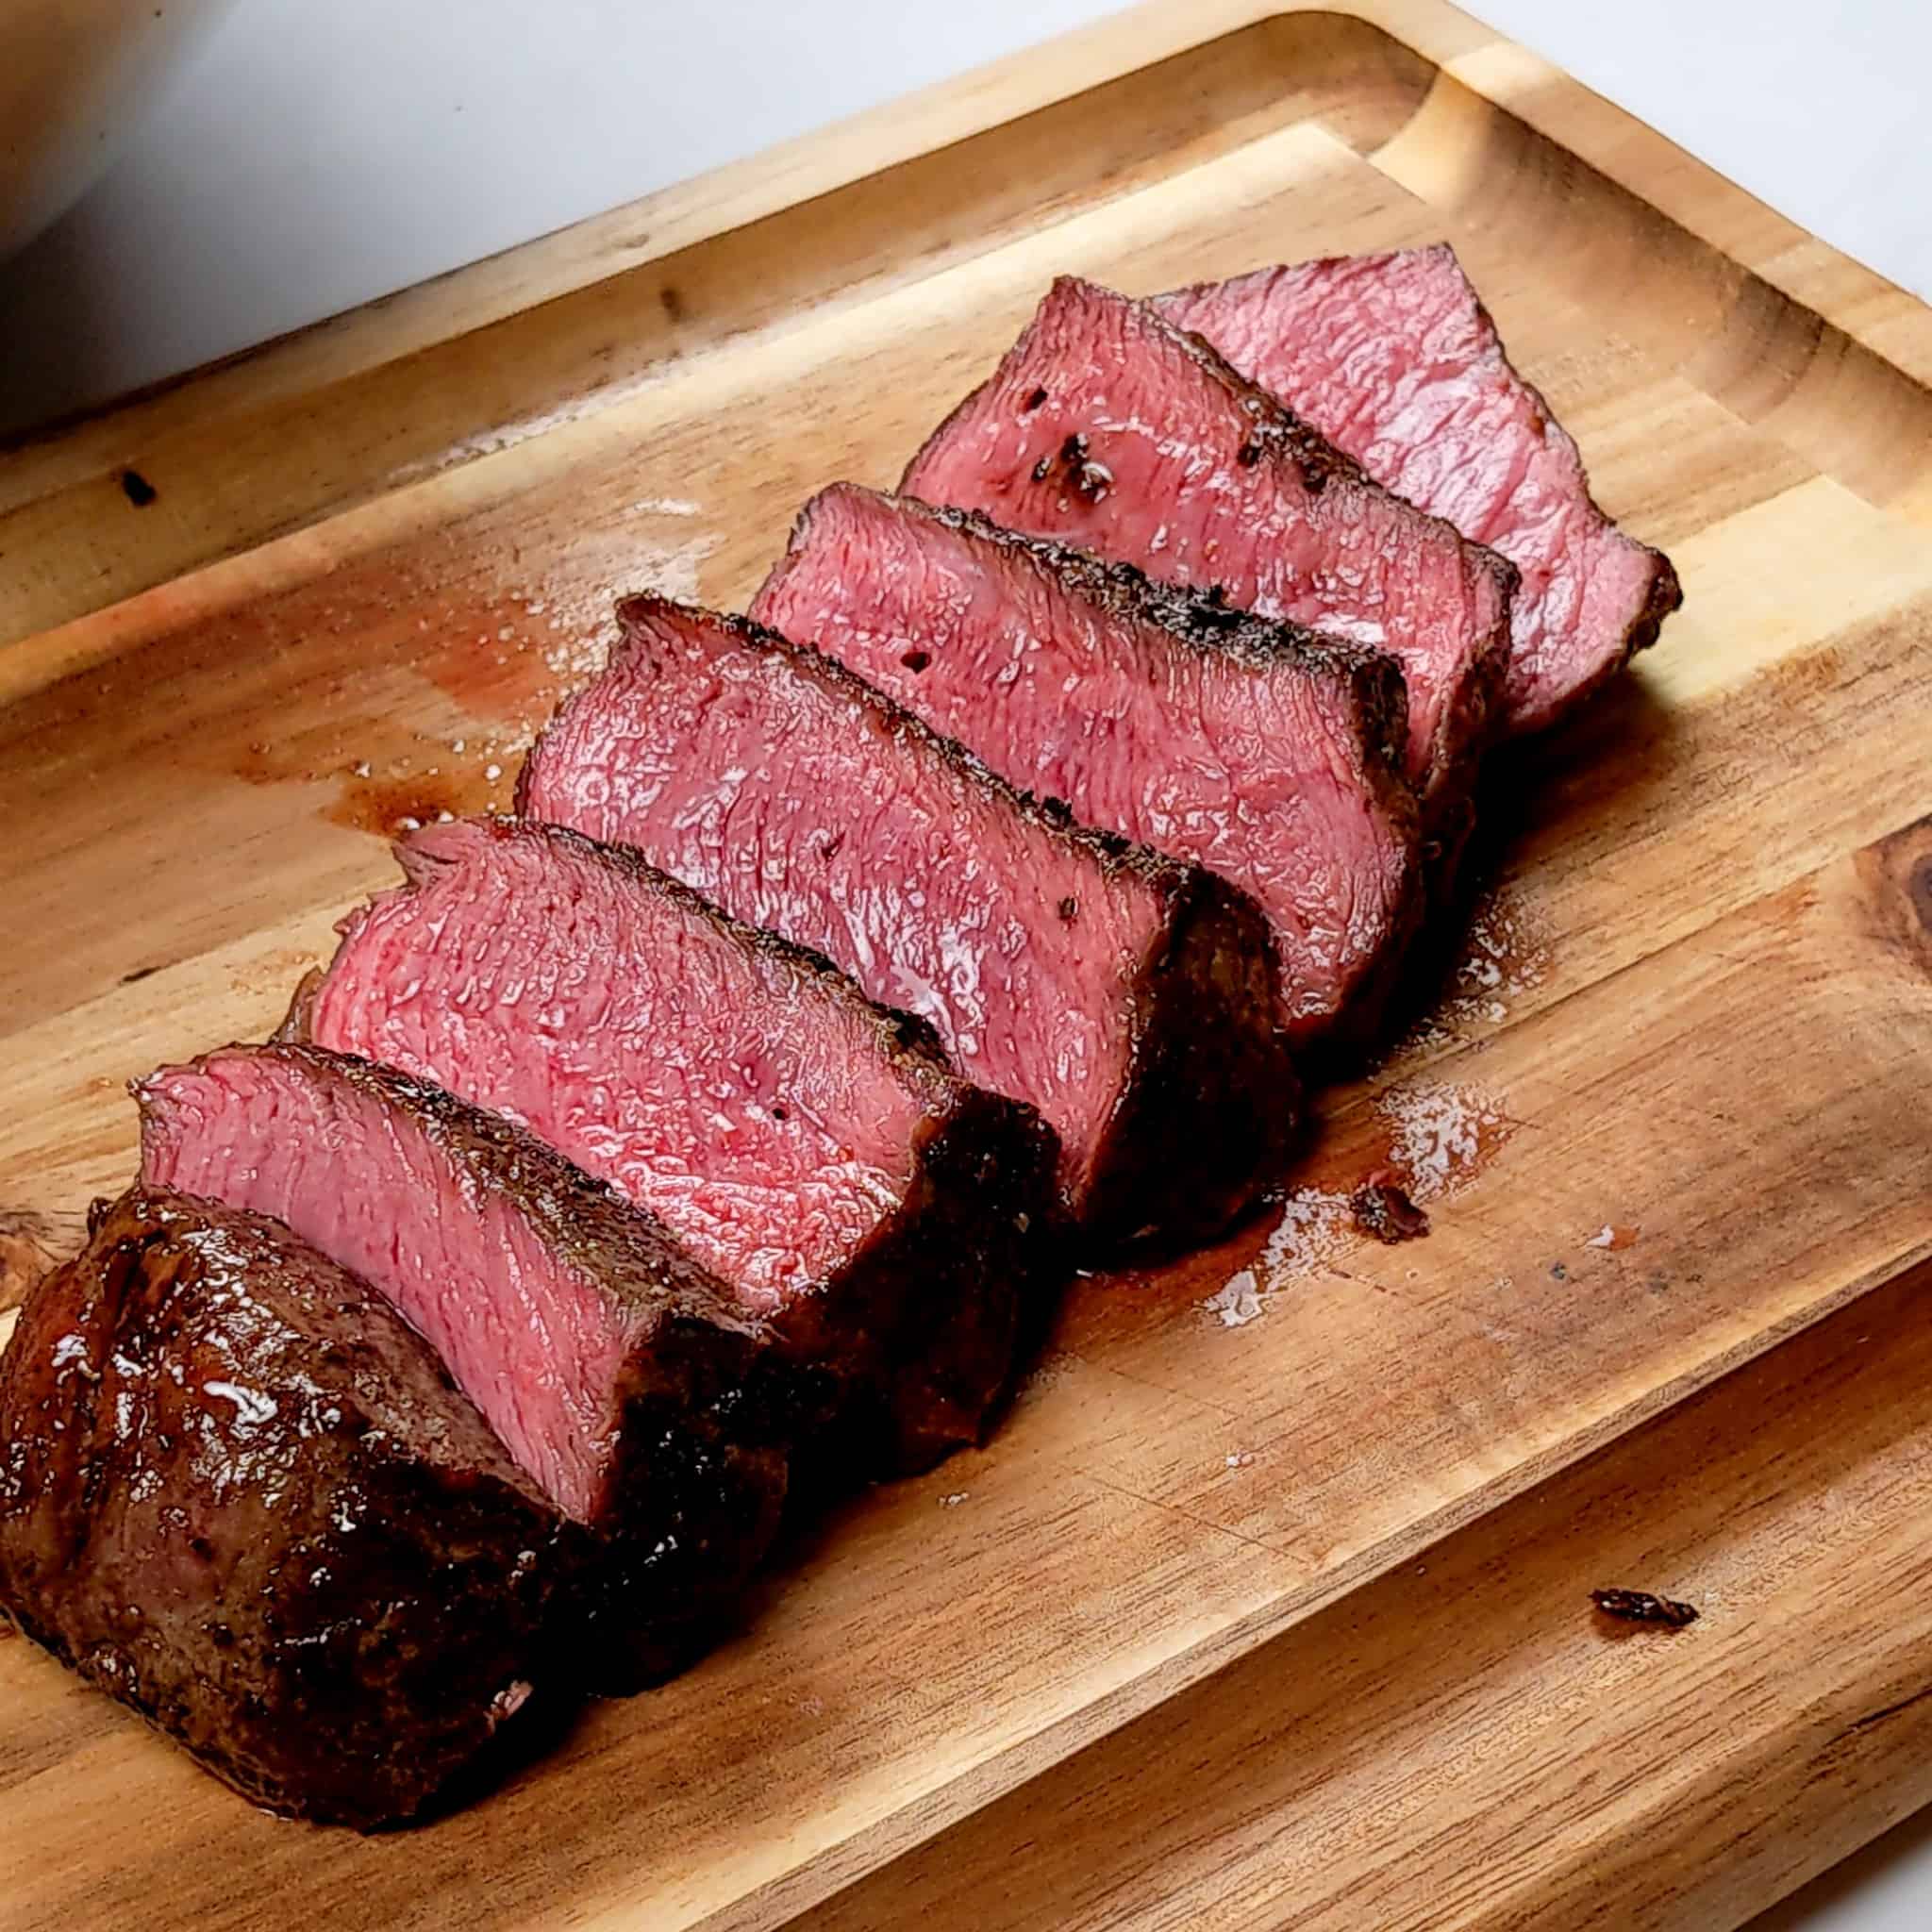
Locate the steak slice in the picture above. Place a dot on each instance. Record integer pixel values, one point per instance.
(1110, 429)
(1267, 753)
(623, 1378)
(1129, 998)
(811, 1149)
(1394, 359)
(239, 1492)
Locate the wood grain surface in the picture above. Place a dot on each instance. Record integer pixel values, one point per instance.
(1670, 1109)
(1465, 1744)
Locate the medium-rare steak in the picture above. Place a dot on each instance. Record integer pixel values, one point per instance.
(1108, 428)
(622, 1377)
(1394, 357)
(239, 1492)
(1269, 754)
(1127, 997)
(811, 1149)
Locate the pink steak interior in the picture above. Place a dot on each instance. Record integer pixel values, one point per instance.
(534, 1341)
(1108, 429)
(752, 1103)
(1253, 764)
(801, 801)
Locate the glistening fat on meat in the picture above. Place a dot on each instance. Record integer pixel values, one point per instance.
(1127, 997)
(239, 1493)
(1267, 753)
(1108, 428)
(814, 1150)
(624, 1379)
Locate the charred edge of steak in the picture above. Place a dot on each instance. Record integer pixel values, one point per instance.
(294, 1028)
(386, 1780)
(714, 1484)
(1207, 1123)
(1115, 853)
(960, 1274)
(295, 1676)
(1452, 823)
(1666, 594)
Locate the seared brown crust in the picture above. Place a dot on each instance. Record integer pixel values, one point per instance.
(294, 1028)
(1666, 594)
(237, 1492)
(958, 1271)
(1207, 1123)
(914, 1337)
(706, 1409)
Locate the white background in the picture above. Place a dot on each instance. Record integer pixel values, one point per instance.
(316, 156)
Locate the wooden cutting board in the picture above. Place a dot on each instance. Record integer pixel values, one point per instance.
(1670, 1111)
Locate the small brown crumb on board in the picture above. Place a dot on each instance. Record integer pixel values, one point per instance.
(1639, 1607)
(1383, 1210)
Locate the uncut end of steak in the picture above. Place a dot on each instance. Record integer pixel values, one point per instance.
(1061, 967)
(810, 1148)
(622, 1376)
(1394, 357)
(1110, 429)
(239, 1493)
(1269, 754)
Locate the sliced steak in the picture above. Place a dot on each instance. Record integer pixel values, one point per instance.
(622, 1376)
(811, 1149)
(239, 1492)
(1129, 998)
(1394, 359)
(1269, 754)
(1108, 428)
